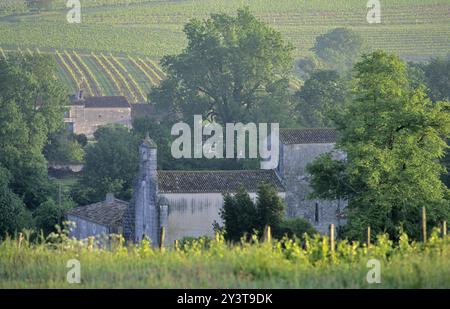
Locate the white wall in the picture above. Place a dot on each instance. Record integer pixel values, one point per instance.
(193, 214)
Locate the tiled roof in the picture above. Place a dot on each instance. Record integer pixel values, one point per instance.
(104, 102)
(308, 136)
(215, 181)
(103, 213)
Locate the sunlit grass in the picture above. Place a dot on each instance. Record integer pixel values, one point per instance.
(215, 264)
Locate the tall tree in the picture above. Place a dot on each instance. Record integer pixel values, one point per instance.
(238, 214)
(437, 76)
(393, 137)
(110, 165)
(242, 216)
(13, 214)
(231, 67)
(32, 102)
(270, 207)
(338, 49)
(320, 97)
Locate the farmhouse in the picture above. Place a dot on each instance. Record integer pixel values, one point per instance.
(187, 203)
(85, 115)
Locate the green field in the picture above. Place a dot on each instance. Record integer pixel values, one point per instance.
(410, 28)
(215, 264)
(148, 30)
(101, 74)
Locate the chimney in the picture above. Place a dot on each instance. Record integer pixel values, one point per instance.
(109, 198)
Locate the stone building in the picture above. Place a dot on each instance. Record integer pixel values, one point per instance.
(85, 115)
(298, 148)
(187, 203)
(105, 217)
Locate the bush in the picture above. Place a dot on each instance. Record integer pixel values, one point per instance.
(294, 227)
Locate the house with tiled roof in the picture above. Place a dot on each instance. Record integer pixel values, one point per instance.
(85, 115)
(187, 203)
(105, 217)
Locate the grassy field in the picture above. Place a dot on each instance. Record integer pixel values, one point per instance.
(116, 48)
(215, 264)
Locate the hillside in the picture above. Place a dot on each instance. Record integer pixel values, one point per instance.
(416, 30)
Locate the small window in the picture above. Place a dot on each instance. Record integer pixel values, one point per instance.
(316, 213)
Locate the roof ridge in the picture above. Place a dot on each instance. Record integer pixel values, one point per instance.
(209, 171)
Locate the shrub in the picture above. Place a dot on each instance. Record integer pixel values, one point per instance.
(294, 227)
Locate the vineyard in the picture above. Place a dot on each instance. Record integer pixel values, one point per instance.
(102, 74)
(113, 50)
(37, 262)
(411, 28)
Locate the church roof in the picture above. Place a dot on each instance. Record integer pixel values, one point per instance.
(104, 213)
(104, 102)
(308, 136)
(215, 181)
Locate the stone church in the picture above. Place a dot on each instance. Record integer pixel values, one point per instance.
(187, 203)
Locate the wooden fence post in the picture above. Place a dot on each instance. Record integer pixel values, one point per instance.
(332, 238)
(424, 224)
(444, 229)
(176, 244)
(161, 238)
(20, 239)
(267, 234)
(368, 236)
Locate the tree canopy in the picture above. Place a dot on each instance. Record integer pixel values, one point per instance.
(323, 94)
(393, 136)
(437, 76)
(338, 49)
(111, 164)
(234, 68)
(32, 102)
(242, 216)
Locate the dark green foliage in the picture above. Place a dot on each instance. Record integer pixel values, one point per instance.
(110, 165)
(13, 214)
(160, 133)
(437, 76)
(32, 104)
(63, 147)
(81, 139)
(270, 207)
(416, 74)
(241, 216)
(294, 227)
(233, 69)
(321, 96)
(338, 49)
(392, 135)
(49, 214)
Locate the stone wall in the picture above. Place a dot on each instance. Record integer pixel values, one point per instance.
(85, 228)
(292, 168)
